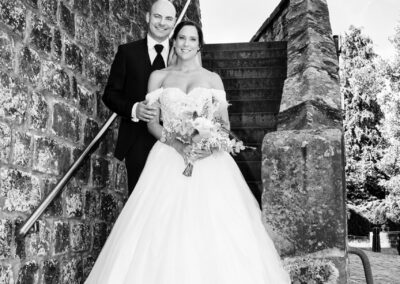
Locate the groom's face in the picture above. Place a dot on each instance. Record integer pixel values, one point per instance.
(161, 20)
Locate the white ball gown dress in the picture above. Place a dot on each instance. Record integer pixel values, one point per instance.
(203, 229)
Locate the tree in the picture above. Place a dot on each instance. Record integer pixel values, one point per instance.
(361, 82)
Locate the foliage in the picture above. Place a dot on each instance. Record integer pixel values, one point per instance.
(308, 270)
(361, 82)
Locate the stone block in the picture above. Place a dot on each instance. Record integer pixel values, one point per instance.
(80, 237)
(29, 65)
(39, 112)
(73, 56)
(107, 144)
(95, 70)
(100, 234)
(67, 19)
(21, 190)
(88, 263)
(67, 122)
(92, 205)
(121, 179)
(303, 190)
(5, 142)
(135, 32)
(90, 130)
(133, 10)
(41, 36)
(22, 149)
(100, 9)
(55, 80)
(13, 99)
(73, 201)
(7, 48)
(12, 13)
(82, 6)
(105, 48)
(61, 237)
(48, 8)
(6, 274)
(118, 9)
(310, 115)
(85, 31)
(19, 240)
(5, 239)
(85, 99)
(55, 208)
(83, 172)
(101, 170)
(50, 157)
(38, 243)
(102, 111)
(57, 43)
(28, 273)
(72, 271)
(311, 85)
(109, 207)
(51, 272)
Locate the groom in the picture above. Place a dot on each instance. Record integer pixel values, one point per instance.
(127, 86)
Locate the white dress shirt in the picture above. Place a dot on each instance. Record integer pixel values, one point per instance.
(152, 54)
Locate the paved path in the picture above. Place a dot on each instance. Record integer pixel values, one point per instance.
(385, 267)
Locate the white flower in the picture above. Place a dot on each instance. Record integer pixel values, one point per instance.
(204, 126)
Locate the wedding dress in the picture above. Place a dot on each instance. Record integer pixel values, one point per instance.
(203, 229)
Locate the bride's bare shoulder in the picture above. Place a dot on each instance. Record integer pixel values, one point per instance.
(156, 79)
(214, 79)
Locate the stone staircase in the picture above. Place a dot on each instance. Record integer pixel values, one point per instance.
(253, 76)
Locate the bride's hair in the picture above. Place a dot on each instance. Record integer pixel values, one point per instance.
(189, 23)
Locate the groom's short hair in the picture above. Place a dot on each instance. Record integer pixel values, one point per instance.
(155, 1)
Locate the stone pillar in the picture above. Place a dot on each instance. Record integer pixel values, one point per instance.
(303, 161)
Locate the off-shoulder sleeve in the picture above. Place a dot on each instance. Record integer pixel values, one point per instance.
(220, 96)
(154, 96)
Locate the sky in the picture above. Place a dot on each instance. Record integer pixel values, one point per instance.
(238, 20)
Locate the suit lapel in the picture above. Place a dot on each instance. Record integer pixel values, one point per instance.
(146, 57)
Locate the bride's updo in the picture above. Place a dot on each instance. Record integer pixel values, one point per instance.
(189, 23)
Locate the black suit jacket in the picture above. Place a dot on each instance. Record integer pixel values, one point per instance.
(127, 84)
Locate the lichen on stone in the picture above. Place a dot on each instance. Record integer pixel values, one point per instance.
(308, 270)
(21, 190)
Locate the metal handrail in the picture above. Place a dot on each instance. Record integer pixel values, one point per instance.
(61, 183)
(365, 262)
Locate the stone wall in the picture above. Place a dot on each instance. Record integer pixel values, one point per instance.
(54, 62)
(303, 162)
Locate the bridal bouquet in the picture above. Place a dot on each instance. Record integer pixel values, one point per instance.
(202, 131)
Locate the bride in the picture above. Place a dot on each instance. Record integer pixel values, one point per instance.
(174, 229)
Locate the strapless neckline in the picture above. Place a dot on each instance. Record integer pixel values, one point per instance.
(191, 91)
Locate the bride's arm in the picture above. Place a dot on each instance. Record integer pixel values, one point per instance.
(154, 126)
(222, 113)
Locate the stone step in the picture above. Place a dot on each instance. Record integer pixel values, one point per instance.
(257, 119)
(253, 94)
(243, 54)
(251, 170)
(254, 106)
(253, 83)
(211, 64)
(245, 45)
(251, 135)
(254, 72)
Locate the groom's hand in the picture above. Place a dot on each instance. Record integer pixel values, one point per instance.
(145, 112)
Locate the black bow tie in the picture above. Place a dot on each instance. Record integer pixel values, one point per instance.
(158, 62)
